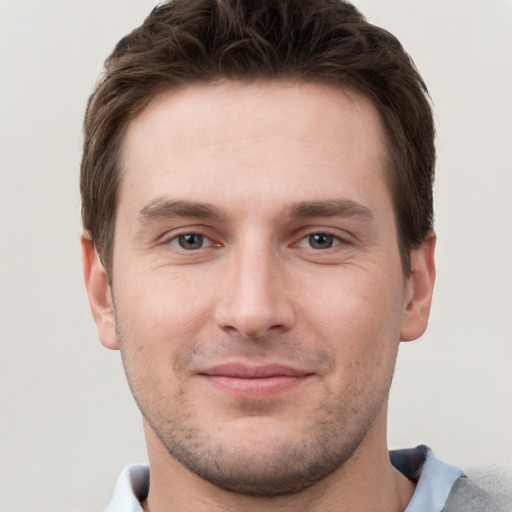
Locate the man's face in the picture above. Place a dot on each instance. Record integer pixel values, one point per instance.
(257, 288)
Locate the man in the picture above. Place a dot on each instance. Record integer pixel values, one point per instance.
(257, 205)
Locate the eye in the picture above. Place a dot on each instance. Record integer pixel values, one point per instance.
(322, 240)
(190, 241)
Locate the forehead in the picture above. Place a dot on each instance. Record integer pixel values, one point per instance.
(203, 140)
(304, 109)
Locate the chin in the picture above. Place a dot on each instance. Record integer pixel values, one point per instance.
(262, 456)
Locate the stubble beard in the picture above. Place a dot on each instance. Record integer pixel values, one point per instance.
(267, 468)
(282, 469)
(329, 438)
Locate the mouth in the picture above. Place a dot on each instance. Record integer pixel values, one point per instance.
(255, 382)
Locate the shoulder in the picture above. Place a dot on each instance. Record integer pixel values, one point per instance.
(440, 486)
(466, 496)
(131, 489)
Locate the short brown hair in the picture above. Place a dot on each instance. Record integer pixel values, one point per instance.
(324, 41)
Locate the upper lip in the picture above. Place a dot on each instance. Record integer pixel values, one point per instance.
(243, 371)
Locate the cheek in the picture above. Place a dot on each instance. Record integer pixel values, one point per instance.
(362, 329)
(163, 293)
(358, 313)
(359, 293)
(160, 312)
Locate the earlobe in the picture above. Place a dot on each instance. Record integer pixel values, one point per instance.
(419, 288)
(99, 293)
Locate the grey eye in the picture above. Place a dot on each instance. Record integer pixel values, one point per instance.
(321, 241)
(191, 241)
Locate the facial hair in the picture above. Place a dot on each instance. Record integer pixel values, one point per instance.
(280, 466)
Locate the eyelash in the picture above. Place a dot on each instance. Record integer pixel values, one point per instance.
(310, 241)
(175, 241)
(334, 240)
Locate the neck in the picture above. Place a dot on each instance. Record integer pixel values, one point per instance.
(366, 481)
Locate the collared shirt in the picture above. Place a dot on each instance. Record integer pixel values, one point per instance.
(434, 478)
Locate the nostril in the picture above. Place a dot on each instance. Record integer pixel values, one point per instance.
(254, 323)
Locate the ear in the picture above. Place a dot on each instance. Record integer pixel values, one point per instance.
(418, 290)
(99, 293)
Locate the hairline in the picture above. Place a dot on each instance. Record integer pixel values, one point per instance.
(389, 167)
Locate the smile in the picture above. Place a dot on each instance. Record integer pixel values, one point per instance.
(255, 382)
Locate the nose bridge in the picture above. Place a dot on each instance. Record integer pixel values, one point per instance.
(254, 299)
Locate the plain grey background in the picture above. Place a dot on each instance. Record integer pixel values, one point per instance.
(68, 424)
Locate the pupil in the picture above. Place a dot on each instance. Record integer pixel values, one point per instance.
(190, 241)
(320, 241)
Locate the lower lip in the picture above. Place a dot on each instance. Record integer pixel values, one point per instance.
(256, 388)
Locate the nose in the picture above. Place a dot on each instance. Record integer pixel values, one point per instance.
(254, 296)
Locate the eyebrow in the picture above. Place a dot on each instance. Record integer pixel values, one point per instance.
(163, 208)
(330, 208)
(167, 208)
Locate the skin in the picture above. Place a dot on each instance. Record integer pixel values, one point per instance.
(258, 298)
